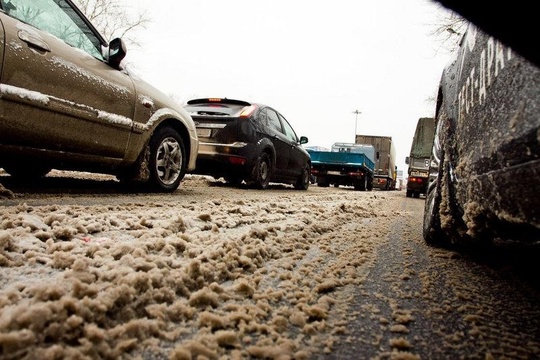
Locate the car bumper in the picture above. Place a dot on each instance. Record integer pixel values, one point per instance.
(222, 159)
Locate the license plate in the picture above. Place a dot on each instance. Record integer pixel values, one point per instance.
(203, 132)
(333, 173)
(419, 174)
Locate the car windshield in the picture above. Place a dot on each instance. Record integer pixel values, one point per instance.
(57, 18)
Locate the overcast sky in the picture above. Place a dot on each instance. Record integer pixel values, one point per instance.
(314, 61)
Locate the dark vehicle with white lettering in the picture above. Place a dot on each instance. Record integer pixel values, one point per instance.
(67, 102)
(242, 141)
(485, 165)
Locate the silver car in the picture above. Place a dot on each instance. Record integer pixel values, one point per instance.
(66, 102)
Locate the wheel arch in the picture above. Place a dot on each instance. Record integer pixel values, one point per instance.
(182, 130)
(137, 169)
(266, 146)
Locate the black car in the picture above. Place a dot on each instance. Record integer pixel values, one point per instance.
(485, 166)
(242, 141)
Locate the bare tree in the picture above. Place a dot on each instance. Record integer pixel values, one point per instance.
(113, 19)
(448, 30)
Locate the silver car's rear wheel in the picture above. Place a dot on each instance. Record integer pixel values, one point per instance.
(167, 159)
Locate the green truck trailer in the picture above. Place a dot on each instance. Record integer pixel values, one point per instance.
(419, 157)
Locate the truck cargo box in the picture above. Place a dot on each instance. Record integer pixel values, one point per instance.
(385, 160)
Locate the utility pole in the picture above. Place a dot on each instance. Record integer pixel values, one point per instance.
(356, 112)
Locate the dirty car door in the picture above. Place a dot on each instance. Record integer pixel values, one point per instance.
(57, 93)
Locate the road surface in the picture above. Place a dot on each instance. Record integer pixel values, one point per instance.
(90, 268)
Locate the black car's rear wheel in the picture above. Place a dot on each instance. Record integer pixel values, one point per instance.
(261, 172)
(302, 183)
(167, 159)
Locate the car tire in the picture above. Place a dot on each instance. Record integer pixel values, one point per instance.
(441, 189)
(432, 231)
(167, 159)
(26, 171)
(261, 172)
(302, 183)
(234, 180)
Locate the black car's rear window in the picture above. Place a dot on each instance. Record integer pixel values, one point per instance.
(214, 109)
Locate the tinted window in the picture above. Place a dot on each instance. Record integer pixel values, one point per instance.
(263, 118)
(289, 132)
(273, 120)
(57, 18)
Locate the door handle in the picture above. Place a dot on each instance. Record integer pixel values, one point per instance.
(33, 41)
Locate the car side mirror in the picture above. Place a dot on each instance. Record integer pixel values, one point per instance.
(117, 52)
(303, 140)
(407, 160)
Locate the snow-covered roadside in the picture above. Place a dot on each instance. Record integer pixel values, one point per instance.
(241, 274)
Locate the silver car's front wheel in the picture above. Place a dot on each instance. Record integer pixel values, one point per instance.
(167, 159)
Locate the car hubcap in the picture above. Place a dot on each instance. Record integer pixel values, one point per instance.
(168, 161)
(264, 170)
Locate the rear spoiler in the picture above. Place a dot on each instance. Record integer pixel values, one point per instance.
(218, 101)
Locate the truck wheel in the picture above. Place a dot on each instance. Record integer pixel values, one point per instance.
(302, 183)
(322, 182)
(409, 193)
(370, 183)
(362, 186)
(167, 159)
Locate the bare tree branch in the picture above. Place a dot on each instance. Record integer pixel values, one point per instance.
(113, 19)
(448, 30)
